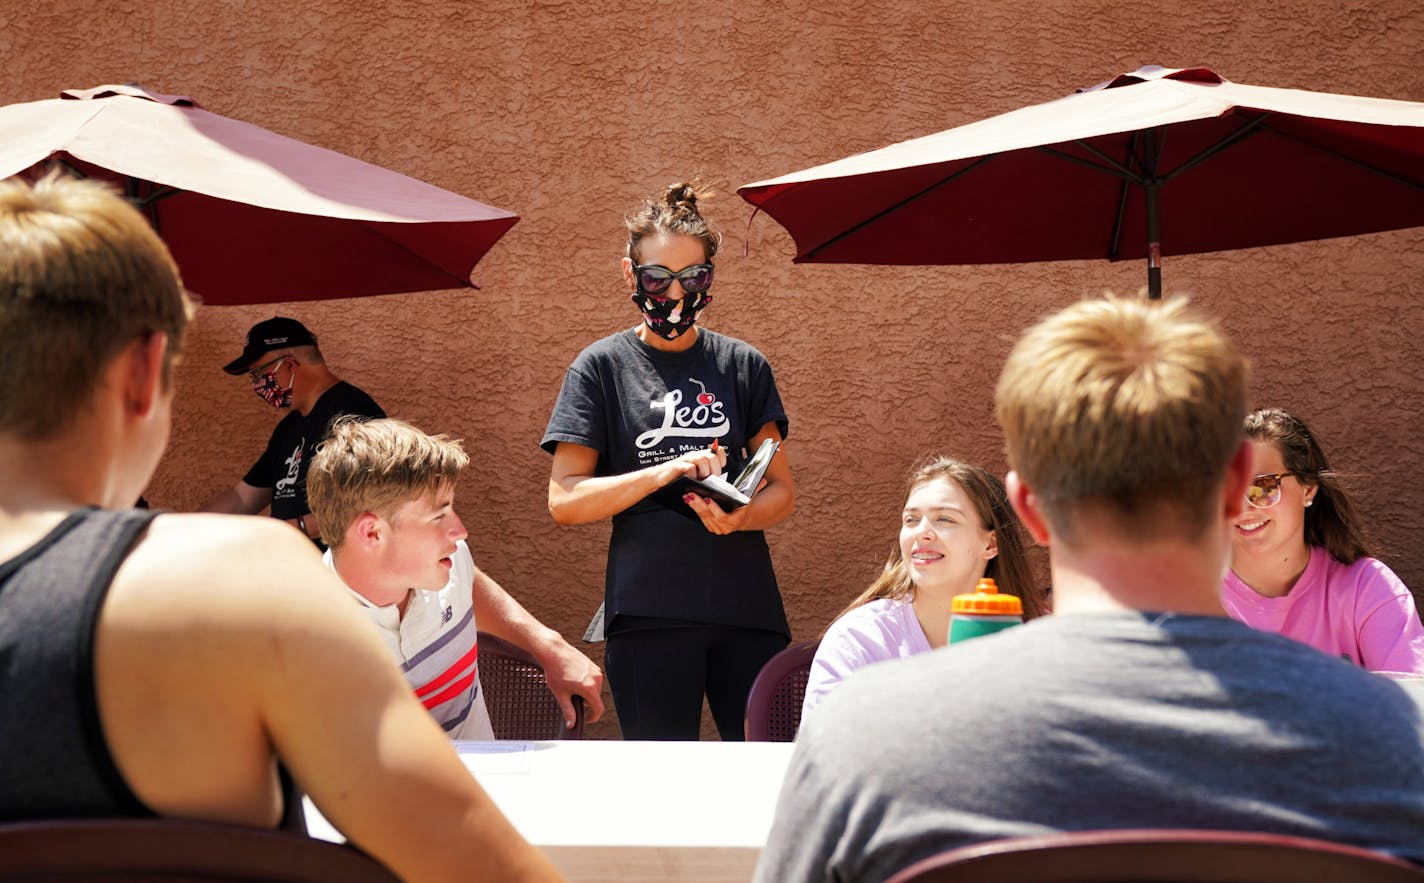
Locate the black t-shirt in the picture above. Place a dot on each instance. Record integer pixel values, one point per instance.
(283, 466)
(638, 406)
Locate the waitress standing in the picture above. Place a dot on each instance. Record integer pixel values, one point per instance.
(690, 597)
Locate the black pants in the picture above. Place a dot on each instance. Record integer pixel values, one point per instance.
(659, 675)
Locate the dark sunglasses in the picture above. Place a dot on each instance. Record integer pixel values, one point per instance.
(656, 279)
(1265, 490)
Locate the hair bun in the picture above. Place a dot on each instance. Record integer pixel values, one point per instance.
(681, 195)
(674, 211)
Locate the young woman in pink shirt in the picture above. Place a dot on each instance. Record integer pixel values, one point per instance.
(1302, 566)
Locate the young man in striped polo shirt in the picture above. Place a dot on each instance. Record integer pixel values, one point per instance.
(384, 493)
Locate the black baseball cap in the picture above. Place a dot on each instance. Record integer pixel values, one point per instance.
(276, 333)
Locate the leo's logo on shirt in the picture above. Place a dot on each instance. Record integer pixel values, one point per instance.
(706, 419)
(294, 466)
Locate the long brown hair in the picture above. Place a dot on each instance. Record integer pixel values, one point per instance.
(1331, 521)
(1009, 568)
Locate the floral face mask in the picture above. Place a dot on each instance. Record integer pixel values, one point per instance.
(268, 389)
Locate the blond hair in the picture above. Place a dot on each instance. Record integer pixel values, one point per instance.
(1130, 407)
(82, 275)
(374, 466)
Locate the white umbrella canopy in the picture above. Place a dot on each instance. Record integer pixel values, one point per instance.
(252, 216)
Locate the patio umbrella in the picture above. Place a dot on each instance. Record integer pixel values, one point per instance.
(252, 216)
(1159, 161)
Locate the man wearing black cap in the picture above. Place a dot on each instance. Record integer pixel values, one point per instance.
(287, 371)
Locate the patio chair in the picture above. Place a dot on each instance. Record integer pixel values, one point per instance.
(774, 703)
(175, 851)
(1159, 856)
(517, 695)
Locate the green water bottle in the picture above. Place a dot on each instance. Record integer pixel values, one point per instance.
(983, 612)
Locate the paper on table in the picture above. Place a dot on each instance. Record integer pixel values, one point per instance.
(496, 758)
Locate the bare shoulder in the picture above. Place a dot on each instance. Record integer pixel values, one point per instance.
(241, 601)
(226, 568)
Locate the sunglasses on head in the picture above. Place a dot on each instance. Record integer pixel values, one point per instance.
(1265, 490)
(656, 279)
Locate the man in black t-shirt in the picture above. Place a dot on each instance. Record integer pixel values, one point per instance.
(287, 370)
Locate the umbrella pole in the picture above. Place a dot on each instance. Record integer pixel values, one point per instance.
(1154, 248)
(1154, 242)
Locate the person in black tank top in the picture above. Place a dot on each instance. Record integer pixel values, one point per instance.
(173, 665)
(50, 596)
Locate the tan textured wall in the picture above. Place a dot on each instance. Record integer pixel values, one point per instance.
(568, 112)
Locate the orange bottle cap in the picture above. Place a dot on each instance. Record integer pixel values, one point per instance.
(987, 600)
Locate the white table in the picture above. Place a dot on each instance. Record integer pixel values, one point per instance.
(630, 811)
(1411, 682)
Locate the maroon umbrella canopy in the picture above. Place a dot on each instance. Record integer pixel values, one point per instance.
(1160, 160)
(252, 216)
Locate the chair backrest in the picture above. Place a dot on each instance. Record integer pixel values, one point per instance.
(132, 850)
(1159, 856)
(517, 695)
(774, 703)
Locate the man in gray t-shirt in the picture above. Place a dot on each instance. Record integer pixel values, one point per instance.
(1138, 704)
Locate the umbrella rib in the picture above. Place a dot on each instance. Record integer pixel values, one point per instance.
(146, 204)
(1117, 221)
(1114, 246)
(1415, 185)
(156, 195)
(71, 168)
(1113, 167)
(899, 205)
(1235, 137)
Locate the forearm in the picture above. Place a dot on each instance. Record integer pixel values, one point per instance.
(231, 502)
(498, 614)
(567, 671)
(586, 499)
(769, 506)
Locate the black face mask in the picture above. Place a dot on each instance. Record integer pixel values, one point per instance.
(670, 319)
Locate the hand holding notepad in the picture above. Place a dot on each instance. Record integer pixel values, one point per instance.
(735, 493)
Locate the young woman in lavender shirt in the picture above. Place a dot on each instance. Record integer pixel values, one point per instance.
(956, 527)
(1302, 566)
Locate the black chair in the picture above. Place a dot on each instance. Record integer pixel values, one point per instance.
(774, 703)
(517, 695)
(1160, 856)
(174, 851)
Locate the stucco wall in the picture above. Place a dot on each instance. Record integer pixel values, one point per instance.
(569, 112)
